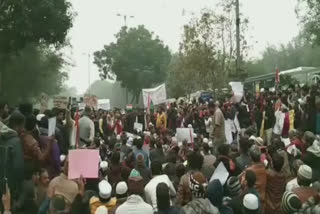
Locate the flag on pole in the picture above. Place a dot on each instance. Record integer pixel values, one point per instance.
(77, 118)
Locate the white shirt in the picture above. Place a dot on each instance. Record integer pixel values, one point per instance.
(292, 185)
(134, 205)
(208, 123)
(151, 187)
(278, 126)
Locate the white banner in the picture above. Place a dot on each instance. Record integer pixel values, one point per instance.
(237, 88)
(104, 104)
(157, 95)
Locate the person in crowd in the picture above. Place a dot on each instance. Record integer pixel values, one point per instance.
(42, 187)
(121, 193)
(114, 171)
(312, 155)
(304, 191)
(218, 132)
(294, 182)
(127, 166)
(150, 188)
(14, 166)
(170, 168)
(135, 203)
(142, 169)
(4, 113)
(31, 148)
(184, 195)
(199, 204)
(290, 203)
(157, 153)
(61, 185)
(225, 158)
(276, 185)
(26, 202)
(104, 198)
(251, 204)
(208, 160)
(86, 128)
(138, 150)
(243, 160)
(233, 187)
(161, 123)
(164, 201)
(259, 169)
(215, 194)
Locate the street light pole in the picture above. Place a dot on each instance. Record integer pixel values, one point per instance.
(238, 62)
(125, 16)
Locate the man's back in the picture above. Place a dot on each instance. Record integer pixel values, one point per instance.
(134, 205)
(85, 129)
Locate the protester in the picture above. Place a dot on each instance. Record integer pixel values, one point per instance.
(208, 160)
(184, 195)
(86, 129)
(304, 191)
(199, 204)
(164, 201)
(104, 198)
(290, 203)
(150, 188)
(276, 184)
(251, 204)
(215, 194)
(259, 169)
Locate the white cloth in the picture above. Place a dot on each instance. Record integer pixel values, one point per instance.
(208, 124)
(151, 187)
(86, 129)
(278, 126)
(134, 205)
(292, 185)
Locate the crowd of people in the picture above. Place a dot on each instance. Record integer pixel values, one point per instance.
(268, 143)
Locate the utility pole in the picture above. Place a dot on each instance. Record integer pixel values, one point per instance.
(238, 62)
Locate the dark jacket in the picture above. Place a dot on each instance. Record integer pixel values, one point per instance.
(10, 138)
(312, 159)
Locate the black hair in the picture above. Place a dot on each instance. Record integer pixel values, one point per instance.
(138, 143)
(31, 122)
(250, 178)
(255, 155)
(224, 149)
(156, 168)
(180, 170)
(26, 109)
(277, 161)
(115, 158)
(195, 161)
(206, 148)
(171, 157)
(163, 197)
(16, 119)
(244, 145)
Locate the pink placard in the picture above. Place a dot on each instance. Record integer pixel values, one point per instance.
(83, 162)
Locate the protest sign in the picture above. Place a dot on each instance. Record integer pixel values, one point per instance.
(220, 173)
(185, 134)
(138, 126)
(237, 89)
(52, 122)
(91, 101)
(157, 95)
(60, 102)
(104, 104)
(83, 162)
(81, 106)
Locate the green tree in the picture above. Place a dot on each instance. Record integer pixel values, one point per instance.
(31, 34)
(32, 70)
(308, 12)
(298, 52)
(138, 58)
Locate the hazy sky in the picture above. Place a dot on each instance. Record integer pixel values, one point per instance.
(271, 22)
